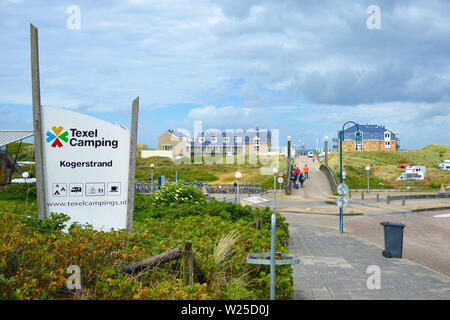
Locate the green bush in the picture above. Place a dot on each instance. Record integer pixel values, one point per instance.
(35, 254)
(19, 191)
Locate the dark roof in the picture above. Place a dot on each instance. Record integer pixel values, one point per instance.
(370, 132)
(265, 136)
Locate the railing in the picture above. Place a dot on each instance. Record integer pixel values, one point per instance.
(232, 189)
(330, 176)
(145, 187)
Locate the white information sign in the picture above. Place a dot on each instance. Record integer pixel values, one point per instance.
(342, 202)
(256, 199)
(342, 189)
(86, 168)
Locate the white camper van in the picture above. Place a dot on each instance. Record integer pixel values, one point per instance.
(445, 165)
(414, 172)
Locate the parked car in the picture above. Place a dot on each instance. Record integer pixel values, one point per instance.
(405, 165)
(310, 154)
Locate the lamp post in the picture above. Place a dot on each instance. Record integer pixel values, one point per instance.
(151, 166)
(238, 175)
(341, 137)
(275, 171)
(326, 151)
(368, 186)
(288, 181)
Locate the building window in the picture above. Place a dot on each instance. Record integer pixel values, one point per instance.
(214, 139)
(256, 140)
(359, 145)
(256, 148)
(238, 139)
(201, 139)
(226, 139)
(167, 147)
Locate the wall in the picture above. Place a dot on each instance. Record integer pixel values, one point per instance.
(178, 145)
(158, 153)
(368, 145)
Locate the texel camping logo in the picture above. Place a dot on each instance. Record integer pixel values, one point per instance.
(57, 136)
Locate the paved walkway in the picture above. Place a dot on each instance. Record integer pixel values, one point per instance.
(316, 184)
(335, 266)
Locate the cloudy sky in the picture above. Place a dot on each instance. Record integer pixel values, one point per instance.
(304, 67)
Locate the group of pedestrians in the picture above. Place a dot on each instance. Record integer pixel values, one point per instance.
(299, 177)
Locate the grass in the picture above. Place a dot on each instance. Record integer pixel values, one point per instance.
(385, 170)
(189, 172)
(220, 173)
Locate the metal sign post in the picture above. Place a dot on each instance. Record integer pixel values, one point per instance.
(272, 255)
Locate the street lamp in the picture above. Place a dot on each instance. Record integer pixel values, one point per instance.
(151, 166)
(368, 170)
(275, 171)
(341, 137)
(238, 175)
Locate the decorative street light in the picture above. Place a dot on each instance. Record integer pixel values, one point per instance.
(368, 186)
(275, 171)
(238, 175)
(341, 138)
(151, 166)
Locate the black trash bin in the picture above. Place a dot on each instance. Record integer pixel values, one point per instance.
(393, 239)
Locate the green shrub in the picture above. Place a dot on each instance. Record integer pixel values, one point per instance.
(35, 254)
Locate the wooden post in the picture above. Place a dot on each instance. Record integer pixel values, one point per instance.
(37, 122)
(153, 261)
(378, 197)
(362, 195)
(404, 201)
(349, 193)
(132, 163)
(188, 264)
(388, 199)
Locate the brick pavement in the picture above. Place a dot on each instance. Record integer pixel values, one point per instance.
(335, 267)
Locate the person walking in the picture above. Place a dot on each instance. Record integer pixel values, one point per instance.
(301, 179)
(306, 170)
(294, 180)
(297, 172)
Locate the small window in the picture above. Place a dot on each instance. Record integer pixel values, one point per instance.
(238, 139)
(214, 139)
(226, 139)
(201, 139)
